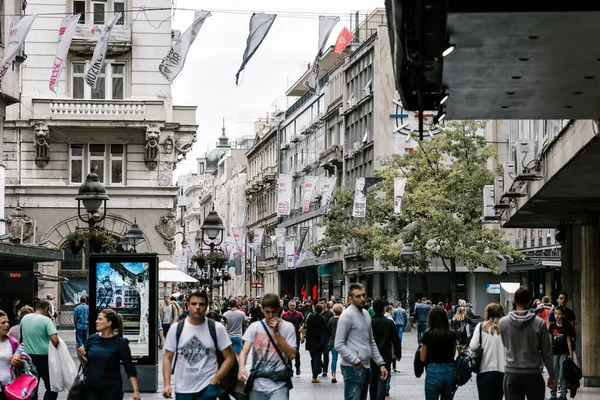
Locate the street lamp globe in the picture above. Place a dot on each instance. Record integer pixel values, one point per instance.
(135, 235)
(213, 225)
(407, 252)
(91, 194)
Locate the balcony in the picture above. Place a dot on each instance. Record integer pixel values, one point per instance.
(93, 110)
(332, 157)
(269, 174)
(250, 188)
(86, 36)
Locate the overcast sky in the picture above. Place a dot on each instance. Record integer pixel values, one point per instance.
(208, 78)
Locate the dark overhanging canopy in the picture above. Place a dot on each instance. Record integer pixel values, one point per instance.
(513, 59)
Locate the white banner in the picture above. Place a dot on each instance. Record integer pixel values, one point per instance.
(280, 234)
(172, 64)
(309, 192)
(284, 194)
(65, 35)
(19, 27)
(326, 25)
(399, 185)
(327, 188)
(289, 254)
(319, 233)
(360, 199)
(259, 233)
(93, 73)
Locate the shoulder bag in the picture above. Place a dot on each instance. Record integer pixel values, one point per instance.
(78, 390)
(288, 364)
(477, 355)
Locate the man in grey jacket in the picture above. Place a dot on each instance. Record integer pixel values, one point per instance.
(525, 338)
(354, 341)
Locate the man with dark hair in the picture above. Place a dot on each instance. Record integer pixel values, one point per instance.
(273, 344)
(236, 320)
(421, 314)
(196, 366)
(37, 332)
(80, 319)
(386, 335)
(295, 318)
(168, 315)
(327, 314)
(569, 315)
(525, 337)
(355, 342)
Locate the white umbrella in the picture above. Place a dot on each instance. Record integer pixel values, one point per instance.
(169, 272)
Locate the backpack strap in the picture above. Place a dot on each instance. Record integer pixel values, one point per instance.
(213, 334)
(178, 331)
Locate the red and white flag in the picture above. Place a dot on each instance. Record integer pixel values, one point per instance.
(19, 26)
(343, 40)
(65, 35)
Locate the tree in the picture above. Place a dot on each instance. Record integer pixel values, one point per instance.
(441, 209)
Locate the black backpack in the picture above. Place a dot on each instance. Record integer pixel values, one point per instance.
(463, 366)
(230, 380)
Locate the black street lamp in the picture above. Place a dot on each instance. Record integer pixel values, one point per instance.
(92, 195)
(132, 238)
(407, 254)
(213, 229)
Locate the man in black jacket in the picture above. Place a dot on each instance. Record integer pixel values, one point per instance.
(386, 336)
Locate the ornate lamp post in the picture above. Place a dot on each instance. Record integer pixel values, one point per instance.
(92, 195)
(212, 228)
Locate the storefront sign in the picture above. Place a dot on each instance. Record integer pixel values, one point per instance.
(16, 274)
(492, 288)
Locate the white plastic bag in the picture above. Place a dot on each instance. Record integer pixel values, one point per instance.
(61, 366)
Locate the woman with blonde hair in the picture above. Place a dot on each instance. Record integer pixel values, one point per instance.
(103, 354)
(331, 330)
(493, 358)
(15, 331)
(461, 325)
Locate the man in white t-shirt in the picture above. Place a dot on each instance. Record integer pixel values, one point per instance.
(198, 373)
(236, 320)
(271, 369)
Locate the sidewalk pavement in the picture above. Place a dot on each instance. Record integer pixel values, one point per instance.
(404, 385)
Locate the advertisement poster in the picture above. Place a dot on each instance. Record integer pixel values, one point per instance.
(125, 287)
(284, 194)
(309, 190)
(71, 291)
(399, 185)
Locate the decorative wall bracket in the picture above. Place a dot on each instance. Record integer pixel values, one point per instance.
(41, 135)
(151, 148)
(167, 145)
(20, 226)
(184, 148)
(167, 228)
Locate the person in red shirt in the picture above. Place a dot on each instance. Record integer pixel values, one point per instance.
(295, 318)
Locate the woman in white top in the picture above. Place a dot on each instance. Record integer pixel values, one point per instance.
(493, 360)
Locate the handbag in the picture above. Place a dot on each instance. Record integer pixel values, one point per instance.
(78, 390)
(477, 355)
(22, 386)
(418, 365)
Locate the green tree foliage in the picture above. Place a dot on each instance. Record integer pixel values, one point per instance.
(441, 209)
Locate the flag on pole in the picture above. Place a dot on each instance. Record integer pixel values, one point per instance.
(93, 73)
(343, 40)
(172, 64)
(260, 24)
(300, 253)
(399, 185)
(326, 25)
(65, 36)
(19, 27)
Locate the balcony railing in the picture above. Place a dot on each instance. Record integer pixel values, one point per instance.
(86, 36)
(124, 110)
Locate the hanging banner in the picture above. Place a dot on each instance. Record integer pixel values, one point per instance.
(327, 188)
(326, 25)
(93, 73)
(320, 233)
(260, 24)
(284, 194)
(360, 199)
(343, 40)
(399, 185)
(19, 27)
(280, 235)
(300, 253)
(65, 35)
(289, 254)
(172, 64)
(309, 192)
(259, 233)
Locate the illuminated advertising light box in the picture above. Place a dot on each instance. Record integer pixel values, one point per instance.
(127, 283)
(492, 288)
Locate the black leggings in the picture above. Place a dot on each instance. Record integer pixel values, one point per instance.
(110, 393)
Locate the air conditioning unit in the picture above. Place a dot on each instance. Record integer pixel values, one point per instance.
(499, 202)
(367, 90)
(343, 109)
(489, 213)
(356, 147)
(526, 164)
(285, 146)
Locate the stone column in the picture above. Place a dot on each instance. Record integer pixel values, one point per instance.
(391, 284)
(590, 313)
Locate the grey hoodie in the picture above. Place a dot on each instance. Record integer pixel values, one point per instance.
(525, 338)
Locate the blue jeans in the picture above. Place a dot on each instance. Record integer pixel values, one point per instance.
(356, 383)
(421, 328)
(279, 394)
(561, 383)
(400, 331)
(439, 382)
(81, 336)
(334, 357)
(211, 392)
(236, 344)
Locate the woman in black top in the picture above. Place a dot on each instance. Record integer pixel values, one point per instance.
(315, 340)
(437, 352)
(102, 357)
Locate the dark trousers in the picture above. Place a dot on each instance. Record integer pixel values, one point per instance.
(297, 359)
(378, 386)
(325, 360)
(108, 393)
(519, 386)
(166, 329)
(490, 385)
(315, 362)
(41, 363)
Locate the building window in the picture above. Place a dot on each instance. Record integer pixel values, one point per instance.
(98, 12)
(106, 160)
(79, 8)
(110, 82)
(119, 7)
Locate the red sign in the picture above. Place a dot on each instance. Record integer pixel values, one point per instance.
(257, 285)
(15, 275)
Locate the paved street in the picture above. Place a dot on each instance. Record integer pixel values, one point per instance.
(404, 384)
